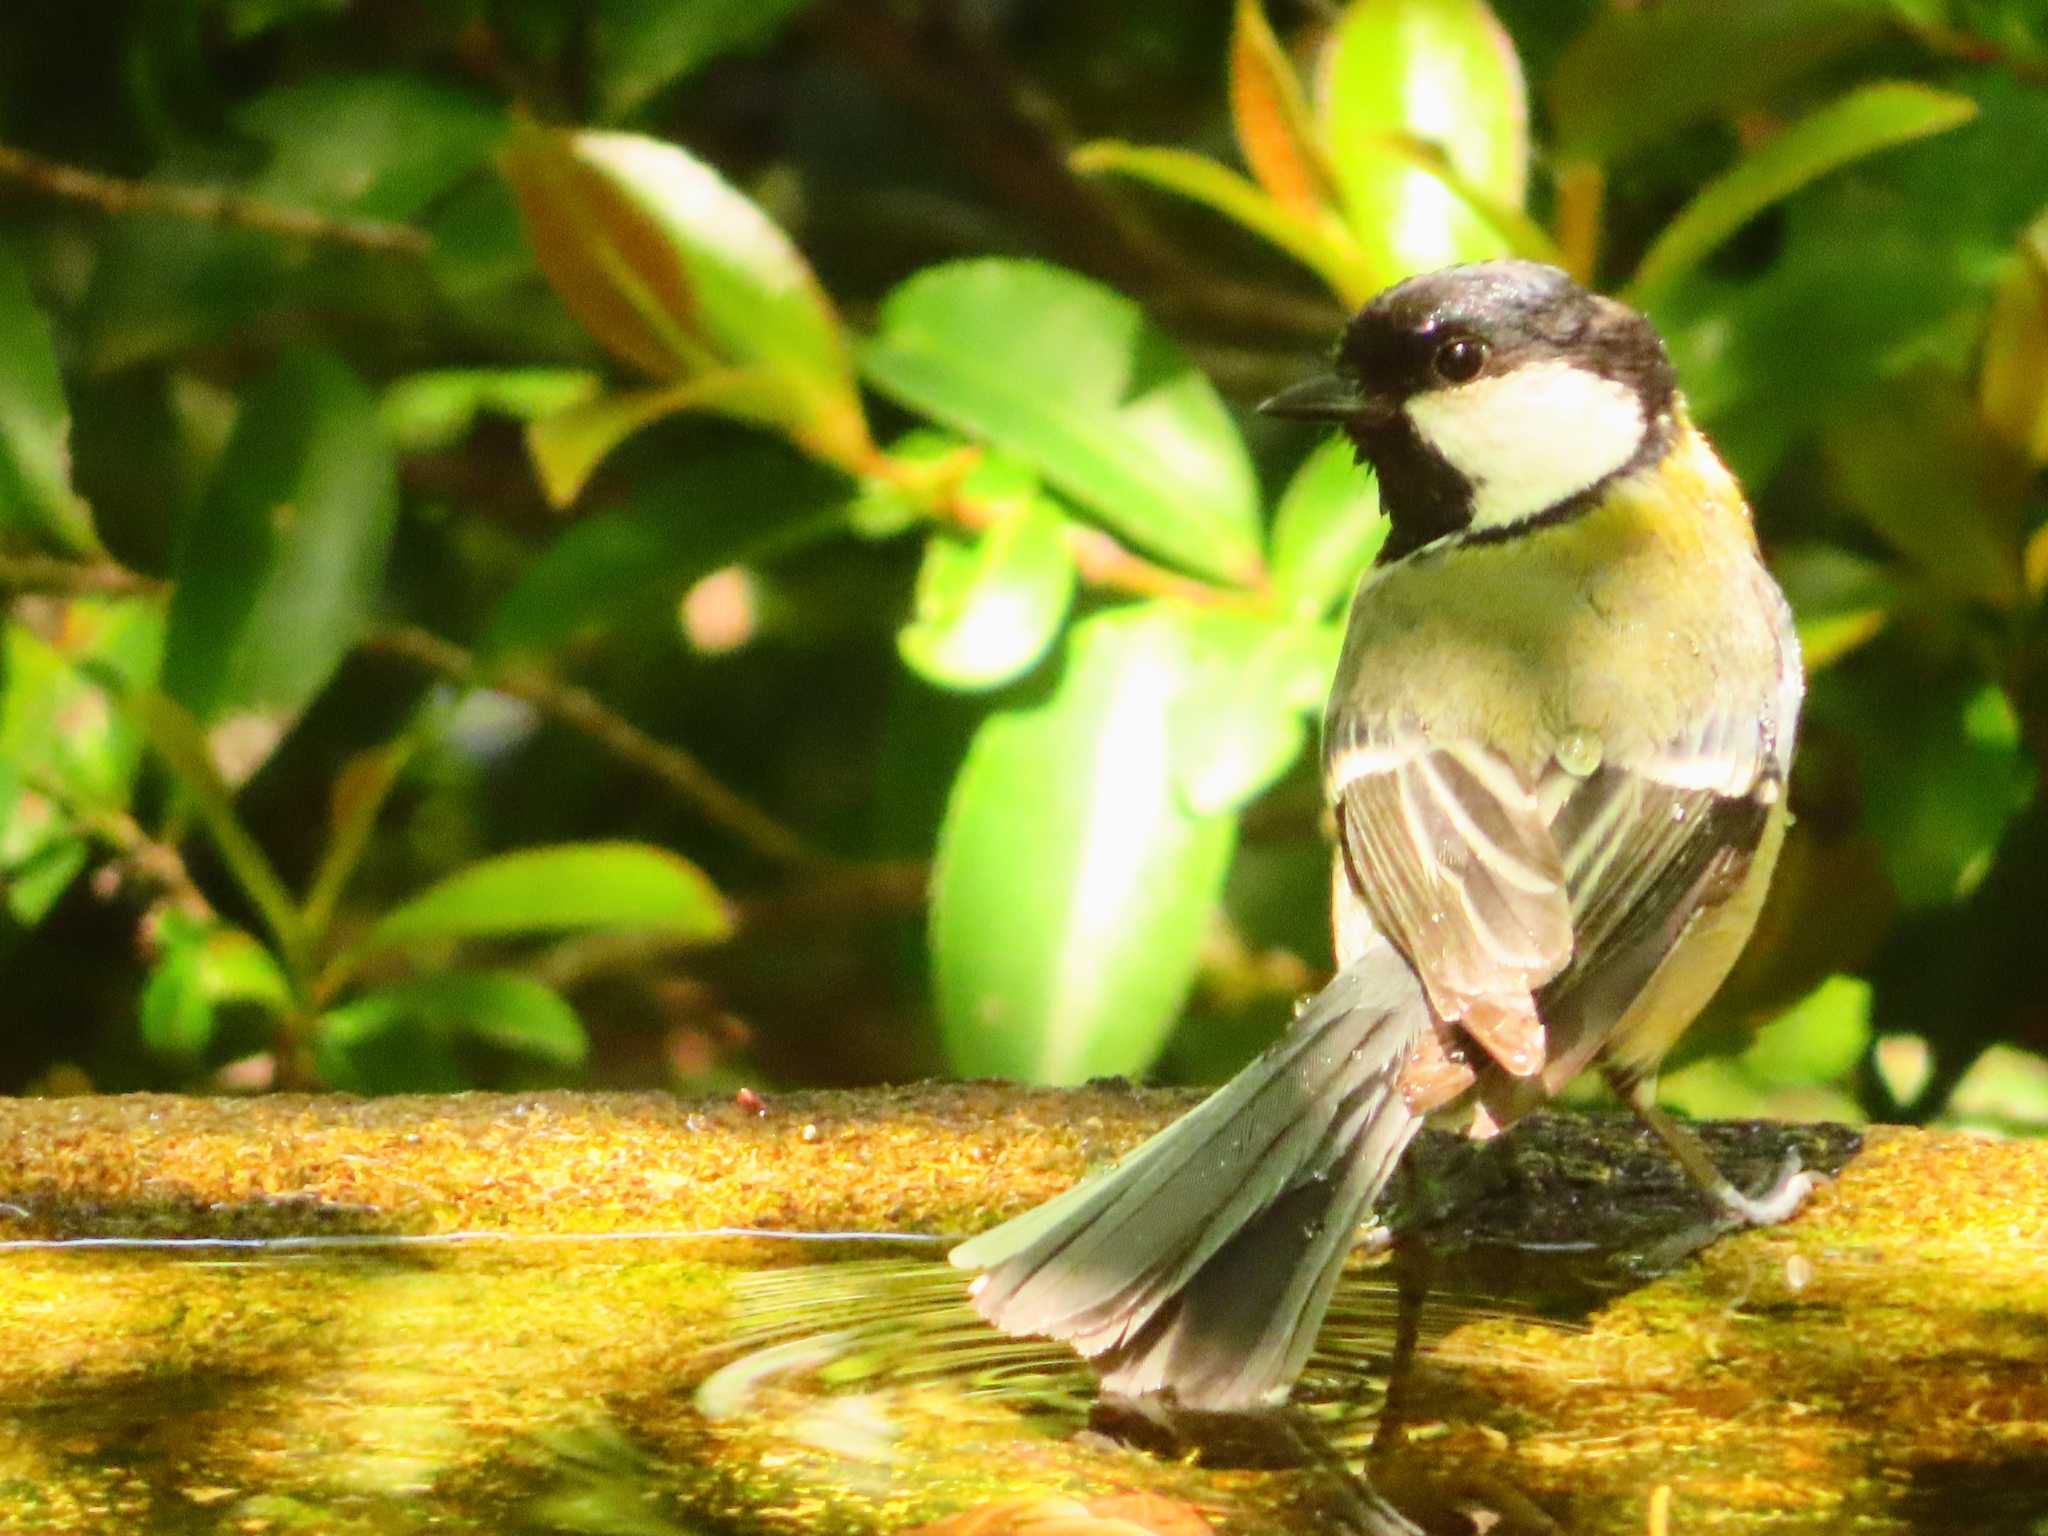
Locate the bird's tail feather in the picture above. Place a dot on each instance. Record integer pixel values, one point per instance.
(1204, 1261)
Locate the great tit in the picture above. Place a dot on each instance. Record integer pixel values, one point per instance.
(1555, 751)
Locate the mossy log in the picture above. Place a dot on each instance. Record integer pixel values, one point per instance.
(1881, 1362)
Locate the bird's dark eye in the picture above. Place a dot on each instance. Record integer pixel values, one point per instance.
(1459, 359)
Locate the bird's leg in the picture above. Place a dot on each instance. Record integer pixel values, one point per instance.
(1788, 1191)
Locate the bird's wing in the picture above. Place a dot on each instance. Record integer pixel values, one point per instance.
(1451, 851)
(1534, 912)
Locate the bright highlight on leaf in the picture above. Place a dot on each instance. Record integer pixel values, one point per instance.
(628, 886)
(689, 282)
(988, 608)
(1443, 72)
(1074, 380)
(1073, 882)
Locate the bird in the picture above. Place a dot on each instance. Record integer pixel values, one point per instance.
(1555, 752)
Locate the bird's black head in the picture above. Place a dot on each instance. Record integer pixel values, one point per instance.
(1492, 397)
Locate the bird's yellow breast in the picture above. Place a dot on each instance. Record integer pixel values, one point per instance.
(1617, 627)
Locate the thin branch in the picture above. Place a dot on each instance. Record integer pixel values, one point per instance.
(74, 578)
(585, 712)
(1971, 48)
(205, 205)
(156, 862)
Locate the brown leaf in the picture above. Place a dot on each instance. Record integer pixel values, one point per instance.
(1274, 128)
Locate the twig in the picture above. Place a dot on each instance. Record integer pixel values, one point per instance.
(585, 712)
(74, 578)
(205, 205)
(155, 861)
(1970, 48)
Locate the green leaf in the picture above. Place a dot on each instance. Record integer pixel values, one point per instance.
(681, 276)
(179, 741)
(986, 609)
(1841, 600)
(360, 790)
(1315, 237)
(569, 444)
(1860, 123)
(2013, 385)
(1942, 772)
(281, 565)
(677, 525)
(204, 971)
(1237, 725)
(1820, 1039)
(1326, 530)
(1073, 379)
(1441, 71)
(1641, 73)
(387, 1040)
(1915, 463)
(385, 146)
(63, 734)
(35, 425)
(428, 412)
(1073, 885)
(565, 888)
(381, 145)
(641, 47)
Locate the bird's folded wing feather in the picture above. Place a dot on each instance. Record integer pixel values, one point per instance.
(1451, 850)
(1511, 897)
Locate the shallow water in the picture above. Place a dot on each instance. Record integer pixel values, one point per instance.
(636, 1384)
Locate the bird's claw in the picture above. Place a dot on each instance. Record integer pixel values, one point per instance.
(1780, 1202)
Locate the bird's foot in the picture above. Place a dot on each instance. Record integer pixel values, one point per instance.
(1780, 1202)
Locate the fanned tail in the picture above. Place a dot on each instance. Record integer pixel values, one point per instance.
(1204, 1261)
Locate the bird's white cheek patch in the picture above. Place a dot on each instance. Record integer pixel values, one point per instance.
(1526, 440)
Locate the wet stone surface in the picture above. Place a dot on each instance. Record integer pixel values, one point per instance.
(485, 1314)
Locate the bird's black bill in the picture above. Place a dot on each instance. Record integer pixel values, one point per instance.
(1329, 398)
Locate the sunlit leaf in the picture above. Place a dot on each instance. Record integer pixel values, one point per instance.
(1820, 1039)
(426, 412)
(1275, 131)
(1074, 380)
(1236, 726)
(203, 972)
(681, 276)
(568, 445)
(1639, 73)
(36, 497)
(1326, 529)
(677, 525)
(1073, 884)
(1313, 235)
(65, 744)
(641, 47)
(987, 608)
(1441, 71)
(2012, 389)
(1862, 122)
(291, 542)
(565, 888)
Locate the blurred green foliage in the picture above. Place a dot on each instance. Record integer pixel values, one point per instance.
(665, 540)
